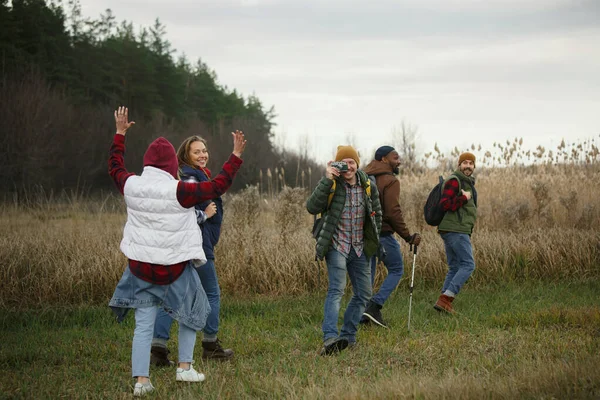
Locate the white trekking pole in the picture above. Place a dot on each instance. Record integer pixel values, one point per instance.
(412, 281)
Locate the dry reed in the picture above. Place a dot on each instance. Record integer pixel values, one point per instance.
(538, 222)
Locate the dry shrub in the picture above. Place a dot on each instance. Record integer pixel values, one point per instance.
(65, 248)
(271, 253)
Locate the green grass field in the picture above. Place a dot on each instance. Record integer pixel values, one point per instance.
(532, 341)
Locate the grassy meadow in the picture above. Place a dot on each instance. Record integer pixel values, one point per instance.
(534, 341)
(528, 324)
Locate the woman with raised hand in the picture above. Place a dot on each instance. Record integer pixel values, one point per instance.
(163, 243)
(193, 157)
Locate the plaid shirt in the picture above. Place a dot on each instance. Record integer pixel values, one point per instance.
(349, 233)
(188, 195)
(451, 201)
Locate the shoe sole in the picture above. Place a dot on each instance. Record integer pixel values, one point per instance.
(442, 309)
(162, 364)
(373, 319)
(335, 347)
(178, 379)
(217, 358)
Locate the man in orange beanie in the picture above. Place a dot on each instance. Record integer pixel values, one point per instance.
(459, 201)
(347, 238)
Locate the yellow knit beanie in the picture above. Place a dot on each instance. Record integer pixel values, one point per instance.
(347, 152)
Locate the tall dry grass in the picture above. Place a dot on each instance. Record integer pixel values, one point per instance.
(537, 222)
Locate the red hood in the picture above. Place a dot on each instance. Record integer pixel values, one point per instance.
(161, 154)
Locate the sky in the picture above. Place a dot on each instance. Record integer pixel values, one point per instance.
(456, 72)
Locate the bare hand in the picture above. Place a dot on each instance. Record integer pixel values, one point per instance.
(210, 210)
(239, 143)
(466, 194)
(330, 172)
(122, 120)
(415, 239)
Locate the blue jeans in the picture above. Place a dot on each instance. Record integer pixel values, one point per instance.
(461, 264)
(359, 272)
(208, 278)
(395, 266)
(142, 339)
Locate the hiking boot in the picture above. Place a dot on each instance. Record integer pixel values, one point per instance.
(189, 375)
(333, 345)
(141, 389)
(214, 351)
(444, 304)
(159, 356)
(373, 312)
(364, 320)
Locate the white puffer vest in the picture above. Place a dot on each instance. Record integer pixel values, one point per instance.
(158, 229)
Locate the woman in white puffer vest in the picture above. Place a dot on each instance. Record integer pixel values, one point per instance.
(163, 243)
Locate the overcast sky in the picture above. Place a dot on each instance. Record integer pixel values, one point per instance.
(461, 71)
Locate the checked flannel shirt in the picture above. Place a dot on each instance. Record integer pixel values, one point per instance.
(349, 233)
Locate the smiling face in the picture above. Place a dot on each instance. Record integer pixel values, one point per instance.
(198, 154)
(467, 167)
(350, 175)
(393, 159)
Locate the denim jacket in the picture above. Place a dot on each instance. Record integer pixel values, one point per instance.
(184, 299)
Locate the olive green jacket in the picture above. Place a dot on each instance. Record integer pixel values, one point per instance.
(463, 219)
(317, 204)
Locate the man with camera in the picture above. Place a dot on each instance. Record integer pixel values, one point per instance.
(384, 168)
(347, 237)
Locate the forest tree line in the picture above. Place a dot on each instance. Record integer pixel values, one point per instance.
(64, 74)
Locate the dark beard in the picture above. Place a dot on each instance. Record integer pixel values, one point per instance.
(396, 170)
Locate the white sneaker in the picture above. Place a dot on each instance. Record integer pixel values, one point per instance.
(141, 389)
(189, 375)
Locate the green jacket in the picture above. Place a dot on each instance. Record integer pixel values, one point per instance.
(317, 204)
(463, 219)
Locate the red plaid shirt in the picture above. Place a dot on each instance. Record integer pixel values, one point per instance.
(349, 233)
(188, 195)
(451, 201)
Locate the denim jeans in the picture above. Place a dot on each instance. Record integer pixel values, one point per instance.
(142, 339)
(461, 264)
(359, 273)
(395, 267)
(210, 283)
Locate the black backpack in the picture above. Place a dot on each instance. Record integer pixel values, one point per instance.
(433, 211)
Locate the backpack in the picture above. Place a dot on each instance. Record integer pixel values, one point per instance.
(432, 211)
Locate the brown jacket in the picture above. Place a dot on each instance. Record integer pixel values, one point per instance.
(389, 195)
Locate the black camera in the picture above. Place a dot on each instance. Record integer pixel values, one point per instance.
(341, 166)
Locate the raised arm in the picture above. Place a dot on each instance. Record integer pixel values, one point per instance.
(116, 160)
(191, 193)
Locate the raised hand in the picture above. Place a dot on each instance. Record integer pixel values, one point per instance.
(330, 172)
(122, 120)
(239, 143)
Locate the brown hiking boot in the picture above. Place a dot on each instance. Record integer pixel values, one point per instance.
(444, 303)
(159, 356)
(214, 351)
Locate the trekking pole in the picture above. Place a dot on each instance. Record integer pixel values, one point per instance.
(412, 281)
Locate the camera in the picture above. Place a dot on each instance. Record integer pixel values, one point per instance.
(341, 166)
